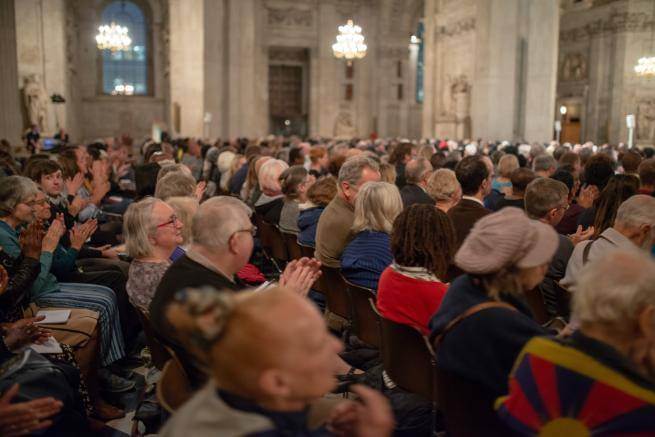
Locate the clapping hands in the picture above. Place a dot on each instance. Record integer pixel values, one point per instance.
(23, 418)
(300, 275)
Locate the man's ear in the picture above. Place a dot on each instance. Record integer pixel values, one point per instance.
(273, 383)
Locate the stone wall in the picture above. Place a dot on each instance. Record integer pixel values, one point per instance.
(600, 43)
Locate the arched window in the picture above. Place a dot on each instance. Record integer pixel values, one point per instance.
(125, 72)
(420, 63)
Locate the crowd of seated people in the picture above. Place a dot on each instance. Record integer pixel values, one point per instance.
(516, 263)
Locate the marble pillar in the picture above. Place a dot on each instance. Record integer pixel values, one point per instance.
(10, 117)
(186, 70)
(541, 71)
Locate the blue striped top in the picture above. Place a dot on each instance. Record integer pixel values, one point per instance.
(366, 257)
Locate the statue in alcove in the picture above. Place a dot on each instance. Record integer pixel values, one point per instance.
(460, 92)
(646, 120)
(36, 101)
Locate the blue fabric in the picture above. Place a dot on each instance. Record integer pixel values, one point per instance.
(366, 257)
(307, 223)
(498, 186)
(492, 338)
(177, 254)
(238, 179)
(46, 282)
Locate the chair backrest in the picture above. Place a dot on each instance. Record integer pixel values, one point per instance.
(537, 305)
(173, 387)
(366, 322)
(467, 407)
(293, 249)
(158, 352)
(336, 293)
(274, 240)
(407, 358)
(307, 251)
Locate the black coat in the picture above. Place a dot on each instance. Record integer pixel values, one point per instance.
(412, 194)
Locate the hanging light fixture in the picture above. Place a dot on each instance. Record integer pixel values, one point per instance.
(350, 42)
(646, 65)
(113, 37)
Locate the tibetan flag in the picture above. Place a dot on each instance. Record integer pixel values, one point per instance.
(557, 390)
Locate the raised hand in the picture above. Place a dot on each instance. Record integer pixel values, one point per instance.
(300, 275)
(23, 418)
(53, 235)
(370, 417)
(31, 240)
(582, 235)
(77, 205)
(24, 332)
(74, 184)
(200, 190)
(587, 196)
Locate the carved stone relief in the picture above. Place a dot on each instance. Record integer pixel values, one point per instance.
(344, 127)
(36, 101)
(646, 120)
(165, 39)
(615, 22)
(454, 29)
(574, 67)
(290, 16)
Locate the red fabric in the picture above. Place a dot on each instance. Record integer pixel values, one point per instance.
(407, 300)
(251, 275)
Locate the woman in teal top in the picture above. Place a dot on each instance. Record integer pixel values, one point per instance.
(17, 199)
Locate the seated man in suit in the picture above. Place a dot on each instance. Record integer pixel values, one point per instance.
(417, 173)
(474, 174)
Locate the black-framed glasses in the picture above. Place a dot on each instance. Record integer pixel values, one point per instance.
(172, 221)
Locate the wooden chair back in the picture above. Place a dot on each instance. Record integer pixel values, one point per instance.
(366, 322)
(336, 293)
(467, 407)
(537, 305)
(277, 247)
(173, 387)
(407, 358)
(158, 352)
(293, 249)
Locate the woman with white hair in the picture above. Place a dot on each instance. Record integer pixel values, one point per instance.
(604, 373)
(369, 253)
(152, 233)
(270, 203)
(444, 188)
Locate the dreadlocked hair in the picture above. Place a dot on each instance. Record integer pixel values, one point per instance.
(423, 236)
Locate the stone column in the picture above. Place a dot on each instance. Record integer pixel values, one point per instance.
(494, 88)
(10, 116)
(541, 74)
(186, 64)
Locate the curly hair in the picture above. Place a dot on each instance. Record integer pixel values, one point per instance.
(423, 236)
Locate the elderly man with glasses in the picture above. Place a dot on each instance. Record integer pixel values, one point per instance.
(222, 245)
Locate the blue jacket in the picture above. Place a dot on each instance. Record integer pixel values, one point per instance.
(366, 257)
(307, 223)
(483, 347)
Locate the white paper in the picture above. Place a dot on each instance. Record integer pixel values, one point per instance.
(54, 316)
(51, 346)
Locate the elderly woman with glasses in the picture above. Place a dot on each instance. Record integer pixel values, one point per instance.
(18, 203)
(152, 233)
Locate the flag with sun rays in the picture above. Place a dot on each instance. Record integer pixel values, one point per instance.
(556, 390)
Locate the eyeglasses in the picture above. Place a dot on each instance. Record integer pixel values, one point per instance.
(33, 203)
(253, 230)
(172, 221)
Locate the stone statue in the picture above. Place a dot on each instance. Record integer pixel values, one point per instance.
(574, 67)
(460, 93)
(36, 101)
(646, 120)
(344, 126)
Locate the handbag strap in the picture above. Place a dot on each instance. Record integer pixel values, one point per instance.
(466, 314)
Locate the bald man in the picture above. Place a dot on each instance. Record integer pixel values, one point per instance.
(272, 357)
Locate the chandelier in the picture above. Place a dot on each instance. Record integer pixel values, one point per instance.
(350, 42)
(113, 37)
(646, 66)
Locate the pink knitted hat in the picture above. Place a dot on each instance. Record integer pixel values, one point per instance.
(504, 238)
